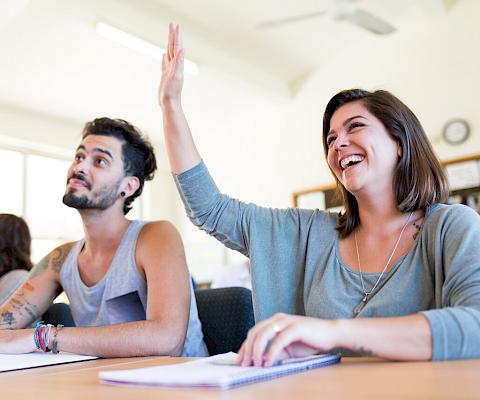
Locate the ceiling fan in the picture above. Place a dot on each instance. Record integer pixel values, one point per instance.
(344, 10)
(339, 10)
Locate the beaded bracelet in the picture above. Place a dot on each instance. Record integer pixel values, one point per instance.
(40, 336)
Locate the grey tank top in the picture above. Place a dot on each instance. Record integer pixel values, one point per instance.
(121, 295)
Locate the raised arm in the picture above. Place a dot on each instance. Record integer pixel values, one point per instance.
(181, 149)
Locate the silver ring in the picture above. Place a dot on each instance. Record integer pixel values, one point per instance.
(276, 328)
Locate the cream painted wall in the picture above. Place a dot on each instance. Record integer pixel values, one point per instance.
(435, 72)
(260, 146)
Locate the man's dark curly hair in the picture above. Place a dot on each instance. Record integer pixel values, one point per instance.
(137, 152)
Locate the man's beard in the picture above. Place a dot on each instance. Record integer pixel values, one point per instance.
(102, 199)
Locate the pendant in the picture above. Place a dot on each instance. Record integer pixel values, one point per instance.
(361, 305)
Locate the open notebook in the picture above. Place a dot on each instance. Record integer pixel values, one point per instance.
(213, 372)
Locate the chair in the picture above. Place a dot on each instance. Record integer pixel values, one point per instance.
(59, 313)
(226, 315)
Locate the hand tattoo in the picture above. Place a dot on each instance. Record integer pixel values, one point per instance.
(366, 352)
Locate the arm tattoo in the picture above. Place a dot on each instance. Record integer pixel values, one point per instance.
(7, 320)
(22, 306)
(39, 267)
(19, 305)
(366, 352)
(59, 255)
(56, 259)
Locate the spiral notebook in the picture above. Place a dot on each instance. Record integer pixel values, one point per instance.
(219, 372)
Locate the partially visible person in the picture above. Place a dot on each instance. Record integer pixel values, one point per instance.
(15, 243)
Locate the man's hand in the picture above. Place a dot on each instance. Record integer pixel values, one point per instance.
(17, 341)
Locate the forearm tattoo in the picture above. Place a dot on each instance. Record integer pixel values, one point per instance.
(18, 310)
(21, 306)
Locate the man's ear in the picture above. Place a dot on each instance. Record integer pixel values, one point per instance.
(130, 185)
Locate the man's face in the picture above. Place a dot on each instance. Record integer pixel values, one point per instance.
(96, 174)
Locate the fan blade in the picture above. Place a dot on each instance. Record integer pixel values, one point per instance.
(449, 4)
(288, 20)
(370, 22)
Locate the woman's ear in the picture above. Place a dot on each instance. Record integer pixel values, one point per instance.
(399, 150)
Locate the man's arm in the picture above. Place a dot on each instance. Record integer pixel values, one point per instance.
(161, 256)
(33, 298)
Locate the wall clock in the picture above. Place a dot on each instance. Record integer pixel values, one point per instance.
(456, 131)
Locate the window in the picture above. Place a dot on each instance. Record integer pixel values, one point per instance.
(33, 187)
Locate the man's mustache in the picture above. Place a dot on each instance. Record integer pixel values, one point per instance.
(80, 178)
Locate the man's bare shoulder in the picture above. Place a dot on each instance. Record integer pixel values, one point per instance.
(158, 237)
(155, 228)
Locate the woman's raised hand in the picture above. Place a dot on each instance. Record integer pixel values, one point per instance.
(171, 83)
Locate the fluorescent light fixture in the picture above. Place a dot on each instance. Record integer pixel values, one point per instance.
(135, 43)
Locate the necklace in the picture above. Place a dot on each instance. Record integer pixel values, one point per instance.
(367, 294)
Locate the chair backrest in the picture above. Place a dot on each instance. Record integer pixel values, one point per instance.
(226, 315)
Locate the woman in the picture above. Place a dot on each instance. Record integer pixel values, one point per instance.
(14, 254)
(397, 275)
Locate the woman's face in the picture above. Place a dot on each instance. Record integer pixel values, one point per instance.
(361, 153)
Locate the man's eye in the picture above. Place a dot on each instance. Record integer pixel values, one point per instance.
(101, 162)
(78, 157)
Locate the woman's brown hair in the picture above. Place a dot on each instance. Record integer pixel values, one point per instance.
(14, 244)
(419, 179)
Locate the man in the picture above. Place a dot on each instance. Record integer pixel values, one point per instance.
(127, 281)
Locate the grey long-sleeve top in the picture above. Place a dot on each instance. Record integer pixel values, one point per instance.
(297, 267)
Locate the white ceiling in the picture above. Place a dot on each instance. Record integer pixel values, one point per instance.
(54, 63)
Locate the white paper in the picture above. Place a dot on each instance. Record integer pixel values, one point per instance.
(12, 362)
(211, 372)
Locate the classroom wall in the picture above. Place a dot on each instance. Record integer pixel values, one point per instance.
(260, 146)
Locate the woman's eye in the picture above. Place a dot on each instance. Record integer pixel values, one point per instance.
(354, 125)
(330, 141)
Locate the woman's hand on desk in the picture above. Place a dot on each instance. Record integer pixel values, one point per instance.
(286, 336)
(17, 341)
